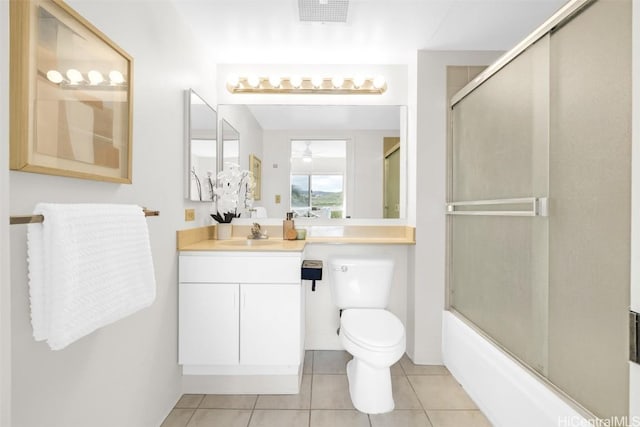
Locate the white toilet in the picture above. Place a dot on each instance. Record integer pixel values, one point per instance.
(374, 336)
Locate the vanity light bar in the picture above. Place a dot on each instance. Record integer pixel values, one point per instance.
(74, 79)
(308, 85)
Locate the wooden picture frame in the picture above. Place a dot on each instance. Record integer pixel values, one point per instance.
(70, 95)
(255, 167)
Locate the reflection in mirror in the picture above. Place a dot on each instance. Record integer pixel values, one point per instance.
(202, 147)
(325, 161)
(318, 169)
(230, 144)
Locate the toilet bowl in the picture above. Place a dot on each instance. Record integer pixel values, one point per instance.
(374, 336)
(376, 339)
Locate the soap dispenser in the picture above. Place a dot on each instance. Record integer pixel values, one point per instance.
(288, 228)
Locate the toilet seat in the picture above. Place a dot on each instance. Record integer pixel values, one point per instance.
(372, 329)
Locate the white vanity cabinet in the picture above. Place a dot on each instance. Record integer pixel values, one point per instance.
(241, 313)
(208, 330)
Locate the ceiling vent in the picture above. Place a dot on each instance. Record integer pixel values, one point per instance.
(323, 10)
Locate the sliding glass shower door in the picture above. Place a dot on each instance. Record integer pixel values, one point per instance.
(498, 270)
(539, 212)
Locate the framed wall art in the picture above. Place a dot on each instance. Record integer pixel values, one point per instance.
(255, 167)
(70, 95)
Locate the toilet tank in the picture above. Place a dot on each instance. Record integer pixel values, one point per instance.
(358, 282)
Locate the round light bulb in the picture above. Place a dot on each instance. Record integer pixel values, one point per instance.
(116, 77)
(74, 76)
(274, 81)
(358, 81)
(54, 76)
(337, 82)
(95, 77)
(233, 80)
(296, 81)
(317, 81)
(253, 81)
(379, 82)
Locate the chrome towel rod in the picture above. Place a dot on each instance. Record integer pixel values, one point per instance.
(538, 207)
(34, 219)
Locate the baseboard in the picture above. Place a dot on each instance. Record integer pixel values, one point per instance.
(505, 392)
(241, 384)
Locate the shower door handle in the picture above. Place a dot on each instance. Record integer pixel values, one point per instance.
(538, 206)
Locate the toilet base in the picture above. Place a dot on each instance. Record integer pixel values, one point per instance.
(369, 387)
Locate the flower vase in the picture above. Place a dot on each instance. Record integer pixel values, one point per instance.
(224, 230)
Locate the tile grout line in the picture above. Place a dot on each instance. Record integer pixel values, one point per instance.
(419, 401)
(255, 402)
(192, 415)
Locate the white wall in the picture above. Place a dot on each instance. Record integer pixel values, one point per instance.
(125, 374)
(5, 290)
(364, 191)
(322, 319)
(425, 317)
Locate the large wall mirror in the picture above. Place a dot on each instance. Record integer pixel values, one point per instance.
(201, 141)
(325, 161)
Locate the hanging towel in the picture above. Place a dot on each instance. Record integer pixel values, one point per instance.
(89, 265)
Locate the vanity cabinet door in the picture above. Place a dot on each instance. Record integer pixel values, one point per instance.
(208, 324)
(270, 324)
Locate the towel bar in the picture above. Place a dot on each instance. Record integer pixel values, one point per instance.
(33, 219)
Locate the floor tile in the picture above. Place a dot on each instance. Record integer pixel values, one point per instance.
(189, 401)
(330, 392)
(458, 418)
(178, 418)
(308, 362)
(220, 418)
(401, 418)
(279, 418)
(403, 394)
(396, 369)
(412, 369)
(330, 362)
(440, 392)
(330, 418)
(301, 400)
(228, 401)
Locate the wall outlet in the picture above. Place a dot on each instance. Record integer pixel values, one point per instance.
(189, 214)
(277, 199)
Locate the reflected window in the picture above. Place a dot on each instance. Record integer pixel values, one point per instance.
(318, 170)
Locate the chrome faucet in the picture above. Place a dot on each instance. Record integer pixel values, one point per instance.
(257, 233)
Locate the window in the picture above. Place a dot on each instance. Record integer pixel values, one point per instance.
(319, 196)
(318, 170)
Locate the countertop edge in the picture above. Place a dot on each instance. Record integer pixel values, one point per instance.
(223, 245)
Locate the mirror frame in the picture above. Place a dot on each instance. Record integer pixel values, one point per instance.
(189, 96)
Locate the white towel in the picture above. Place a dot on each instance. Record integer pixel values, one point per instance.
(89, 265)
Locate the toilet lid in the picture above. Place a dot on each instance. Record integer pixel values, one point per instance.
(372, 327)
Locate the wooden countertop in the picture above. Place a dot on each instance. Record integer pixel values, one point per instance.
(202, 239)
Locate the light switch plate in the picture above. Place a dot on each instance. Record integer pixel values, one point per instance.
(277, 198)
(189, 214)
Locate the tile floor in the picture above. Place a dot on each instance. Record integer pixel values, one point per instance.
(425, 396)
